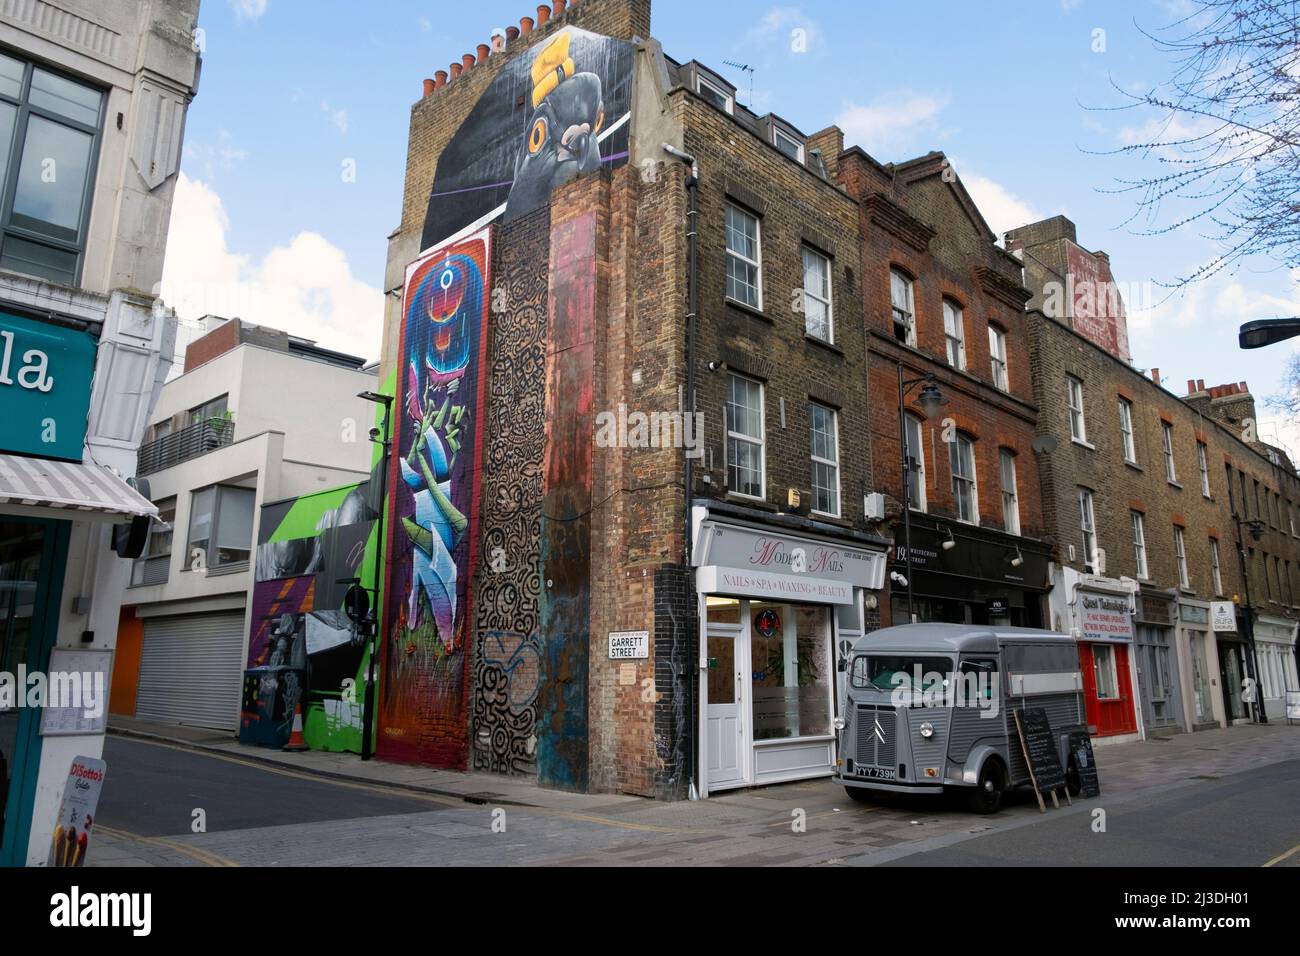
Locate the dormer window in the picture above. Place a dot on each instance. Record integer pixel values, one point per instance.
(716, 95)
(790, 145)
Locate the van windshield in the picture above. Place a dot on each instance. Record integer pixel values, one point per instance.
(905, 671)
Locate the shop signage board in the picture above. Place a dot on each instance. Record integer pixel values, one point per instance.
(973, 558)
(1039, 747)
(1223, 617)
(45, 377)
(71, 837)
(1085, 763)
(629, 645)
(785, 587)
(1104, 617)
(765, 552)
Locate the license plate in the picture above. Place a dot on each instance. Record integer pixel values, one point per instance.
(876, 773)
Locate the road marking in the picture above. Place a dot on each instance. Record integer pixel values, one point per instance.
(1288, 853)
(206, 857)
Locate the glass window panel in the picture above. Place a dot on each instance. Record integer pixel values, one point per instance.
(52, 179)
(11, 76)
(201, 507)
(916, 471)
(790, 663)
(8, 116)
(65, 97)
(235, 525)
(36, 259)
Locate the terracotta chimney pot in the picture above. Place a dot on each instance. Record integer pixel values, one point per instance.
(543, 14)
(525, 25)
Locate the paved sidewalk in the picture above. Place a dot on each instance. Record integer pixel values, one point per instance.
(746, 827)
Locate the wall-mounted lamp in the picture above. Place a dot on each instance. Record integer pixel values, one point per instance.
(950, 543)
(1019, 559)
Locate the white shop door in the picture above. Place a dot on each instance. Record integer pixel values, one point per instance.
(724, 726)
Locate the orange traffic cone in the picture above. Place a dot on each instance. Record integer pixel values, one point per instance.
(296, 740)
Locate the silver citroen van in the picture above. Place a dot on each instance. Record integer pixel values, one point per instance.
(930, 707)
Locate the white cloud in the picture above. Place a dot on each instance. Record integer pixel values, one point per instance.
(248, 9)
(304, 286)
(210, 158)
(338, 117)
(1069, 5)
(800, 29)
(1001, 208)
(891, 119)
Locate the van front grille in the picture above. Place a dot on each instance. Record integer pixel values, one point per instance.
(873, 751)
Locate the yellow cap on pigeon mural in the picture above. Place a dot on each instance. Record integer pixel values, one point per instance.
(551, 68)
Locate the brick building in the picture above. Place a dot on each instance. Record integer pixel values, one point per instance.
(546, 611)
(944, 305)
(1139, 493)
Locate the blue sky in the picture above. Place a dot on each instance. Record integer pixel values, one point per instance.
(297, 93)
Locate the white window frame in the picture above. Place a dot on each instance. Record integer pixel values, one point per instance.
(825, 462)
(760, 441)
(1078, 419)
(998, 358)
(1215, 571)
(778, 133)
(1088, 527)
(1139, 543)
(1180, 552)
(829, 338)
(955, 457)
(757, 262)
(954, 333)
(703, 81)
(1126, 430)
(910, 312)
(1203, 459)
(1103, 655)
(1167, 440)
(1010, 496)
(918, 501)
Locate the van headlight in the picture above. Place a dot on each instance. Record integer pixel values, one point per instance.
(927, 730)
(838, 724)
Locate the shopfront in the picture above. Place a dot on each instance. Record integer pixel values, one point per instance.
(1275, 639)
(966, 575)
(1198, 658)
(1159, 679)
(1100, 612)
(1228, 623)
(776, 607)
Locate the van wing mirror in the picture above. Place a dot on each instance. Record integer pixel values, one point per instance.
(845, 647)
(843, 665)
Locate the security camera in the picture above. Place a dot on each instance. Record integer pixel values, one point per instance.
(375, 434)
(898, 579)
(717, 366)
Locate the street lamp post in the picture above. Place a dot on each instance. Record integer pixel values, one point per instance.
(381, 439)
(930, 400)
(1262, 332)
(1256, 527)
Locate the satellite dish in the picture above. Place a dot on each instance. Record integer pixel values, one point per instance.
(1044, 444)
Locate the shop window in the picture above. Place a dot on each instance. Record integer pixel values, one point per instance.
(1103, 669)
(792, 670)
(900, 296)
(744, 258)
(47, 122)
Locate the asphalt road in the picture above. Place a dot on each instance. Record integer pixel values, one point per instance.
(1244, 819)
(153, 790)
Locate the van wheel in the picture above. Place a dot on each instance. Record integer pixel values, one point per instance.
(858, 795)
(987, 795)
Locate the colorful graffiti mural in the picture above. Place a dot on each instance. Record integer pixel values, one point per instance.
(507, 649)
(308, 547)
(433, 505)
(545, 119)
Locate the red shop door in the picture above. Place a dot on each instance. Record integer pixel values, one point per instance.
(1111, 715)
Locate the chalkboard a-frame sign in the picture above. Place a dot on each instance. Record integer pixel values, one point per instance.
(1039, 747)
(1085, 763)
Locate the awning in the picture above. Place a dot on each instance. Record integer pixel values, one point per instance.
(69, 490)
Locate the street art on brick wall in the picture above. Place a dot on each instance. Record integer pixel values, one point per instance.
(307, 548)
(549, 116)
(507, 584)
(433, 505)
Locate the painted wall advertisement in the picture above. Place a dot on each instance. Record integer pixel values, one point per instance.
(1104, 617)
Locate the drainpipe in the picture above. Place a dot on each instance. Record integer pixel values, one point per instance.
(692, 312)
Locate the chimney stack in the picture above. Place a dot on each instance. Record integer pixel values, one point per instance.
(1155, 375)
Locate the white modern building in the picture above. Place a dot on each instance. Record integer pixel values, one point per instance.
(93, 97)
(257, 416)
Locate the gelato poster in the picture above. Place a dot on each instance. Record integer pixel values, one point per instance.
(71, 838)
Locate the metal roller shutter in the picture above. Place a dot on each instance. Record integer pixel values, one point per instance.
(191, 670)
